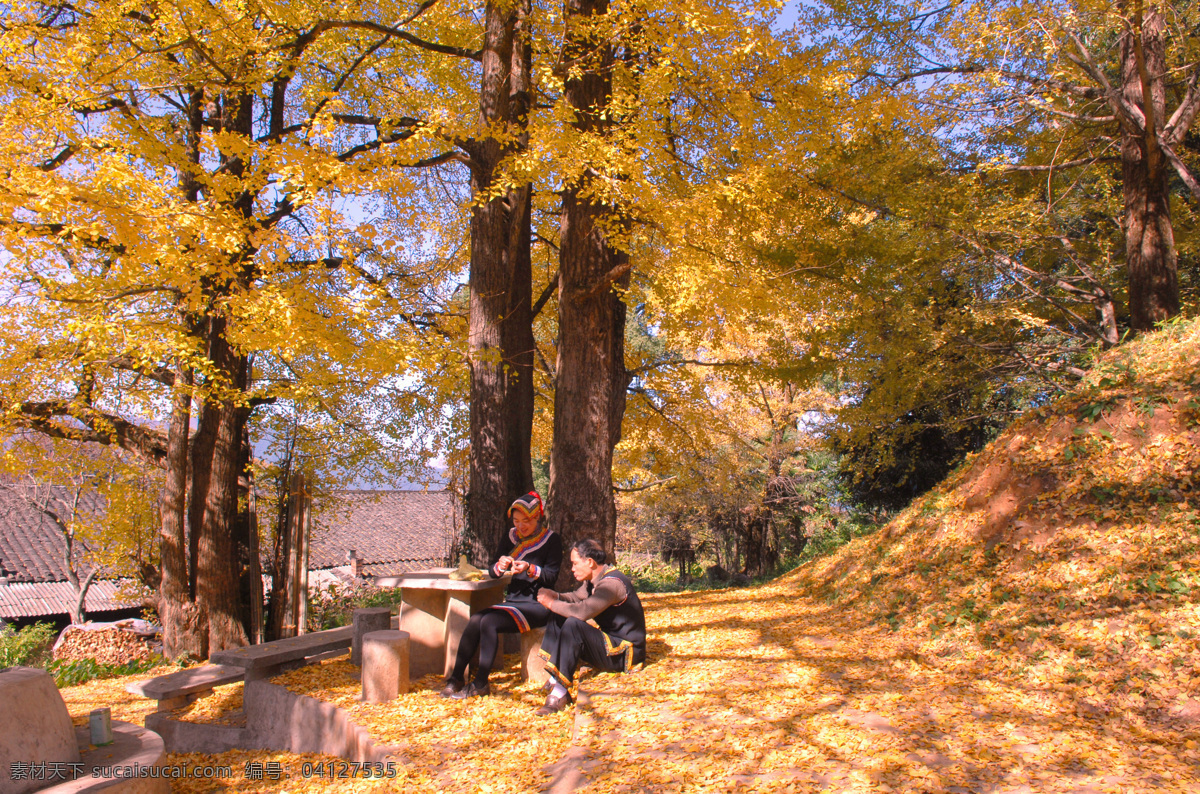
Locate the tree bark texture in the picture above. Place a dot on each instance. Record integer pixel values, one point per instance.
(177, 611)
(216, 467)
(215, 449)
(517, 332)
(282, 569)
(218, 585)
(500, 331)
(589, 398)
(1149, 235)
(184, 629)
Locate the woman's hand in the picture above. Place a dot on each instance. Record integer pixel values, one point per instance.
(504, 563)
(520, 566)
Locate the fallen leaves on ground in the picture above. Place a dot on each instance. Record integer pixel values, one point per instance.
(482, 744)
(222, 706)
(81, 699)
(1031, 625)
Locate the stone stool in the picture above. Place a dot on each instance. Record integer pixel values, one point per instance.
(366, 621)
(533, 666)
(384, 665)
(37, 726)
(38, 737)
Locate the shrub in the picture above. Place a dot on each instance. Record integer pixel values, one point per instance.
(71, 672)
(656, 576)
(334, 606)
(30, 646)
(831, 536)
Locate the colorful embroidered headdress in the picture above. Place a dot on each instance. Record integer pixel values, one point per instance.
(529, 505)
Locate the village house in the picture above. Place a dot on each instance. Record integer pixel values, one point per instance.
(358, 536)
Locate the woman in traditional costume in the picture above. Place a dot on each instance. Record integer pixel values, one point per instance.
(533, 555)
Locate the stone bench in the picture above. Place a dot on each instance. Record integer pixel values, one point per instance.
(277, 656)
(176, 690)
(253, 662)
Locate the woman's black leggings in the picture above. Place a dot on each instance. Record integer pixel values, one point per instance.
(482, 633)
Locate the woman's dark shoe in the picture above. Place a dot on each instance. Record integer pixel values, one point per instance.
(451, 687)
(553, 705)
(472, 690)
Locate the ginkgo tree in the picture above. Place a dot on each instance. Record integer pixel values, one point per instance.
(1086, 97)
(176, 200)
(96, 502)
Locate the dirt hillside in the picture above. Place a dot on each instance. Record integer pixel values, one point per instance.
(1071, 543)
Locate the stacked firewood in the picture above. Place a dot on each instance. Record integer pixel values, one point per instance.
(106, 646)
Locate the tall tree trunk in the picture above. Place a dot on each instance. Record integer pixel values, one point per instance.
(760, 554)
(619, 378)
(590, 364)
(517, 331)
(177, 612)
(219, 557)
(253, 562)
(199, 472)
(1149, 236)
(218, 565)
(241, 516)
(500, 335)
(184, 628)
(281, 568)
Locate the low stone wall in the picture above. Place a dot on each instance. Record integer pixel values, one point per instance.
(283, 720)
(276, 719)
(193, 737)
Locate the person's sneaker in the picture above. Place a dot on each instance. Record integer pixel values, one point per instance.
(451, 687)
(553, 704)
(472, 690)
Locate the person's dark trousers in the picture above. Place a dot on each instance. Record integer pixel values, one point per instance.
(482, 634)
(570, 642)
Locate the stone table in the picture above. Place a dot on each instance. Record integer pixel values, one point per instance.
(434, 610)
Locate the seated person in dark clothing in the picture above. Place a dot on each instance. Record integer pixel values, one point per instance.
(606, 596)
(533, 555)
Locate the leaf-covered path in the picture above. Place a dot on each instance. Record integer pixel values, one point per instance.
(760, 688)
(1031, 625)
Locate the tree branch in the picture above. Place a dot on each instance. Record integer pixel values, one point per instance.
(403, 35)
(545, 296)
(97, 426)
(66, 154)
(1181, 120)
(646, 487)
(600, 286)
(1182, 170)
(154, 372)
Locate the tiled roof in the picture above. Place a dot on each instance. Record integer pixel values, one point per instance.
(37, 599)
(389, 531)
(31, 546)
(319, 578)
